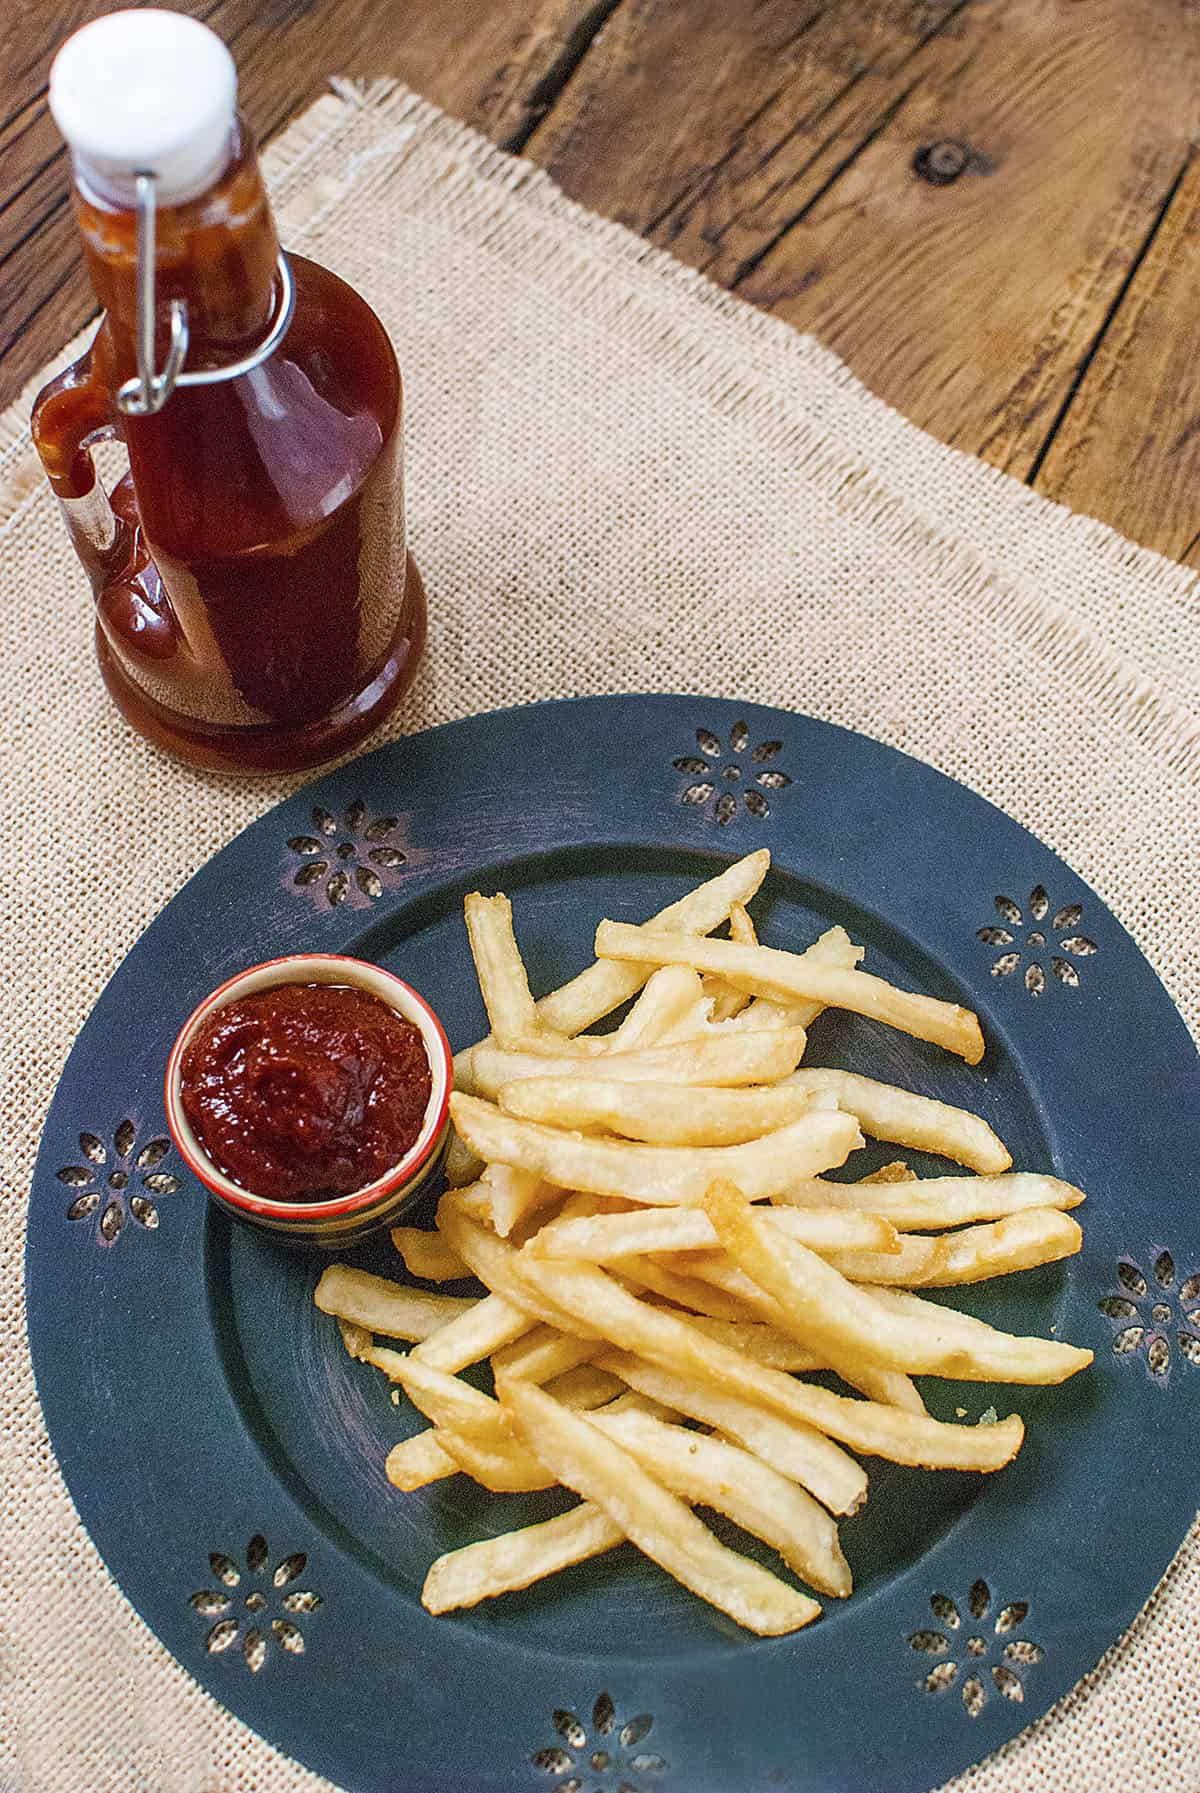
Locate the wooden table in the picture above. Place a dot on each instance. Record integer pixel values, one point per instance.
(989, 208)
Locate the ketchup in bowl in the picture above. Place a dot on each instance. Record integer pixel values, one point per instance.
(303, 1092)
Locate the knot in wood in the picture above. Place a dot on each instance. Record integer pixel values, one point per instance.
(941, 163)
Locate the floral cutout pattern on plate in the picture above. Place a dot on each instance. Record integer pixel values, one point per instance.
(970, 1654)
(608, 1760)
(248, 1618)
(1014, 934)
(718, 777)
(346, 861)
(1154, 1316)
(121, 1186)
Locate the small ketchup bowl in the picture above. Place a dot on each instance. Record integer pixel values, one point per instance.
(342, 1220)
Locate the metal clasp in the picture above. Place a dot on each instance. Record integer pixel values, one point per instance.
(148, 391)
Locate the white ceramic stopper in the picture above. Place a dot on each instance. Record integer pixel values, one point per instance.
(147, 92)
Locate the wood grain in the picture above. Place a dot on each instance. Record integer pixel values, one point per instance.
(988, 207)
(970, 304)
(498, 66)
(1128, 449)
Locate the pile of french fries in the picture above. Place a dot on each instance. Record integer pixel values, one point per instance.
(665, 1262)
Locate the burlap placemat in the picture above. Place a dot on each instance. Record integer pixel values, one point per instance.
(620, 479)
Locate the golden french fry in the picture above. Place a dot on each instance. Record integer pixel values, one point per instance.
(517, 1559)
(904, 1119)
(895, 1172)
(856, 1327)
(461, 1166)
(653, 1112)
(796, 1450)
(592, 1298)
(928, 1203)
(578, 1454)
(584, 1387)
(493, 1261)
(603, 987)
(427, 1255)
(382, 1306)
(727, 1002)
(514, 1194)
(482, 1328)
(764, 970)
(471, 1427)
(765, 1344)
(543, 1352)
(669, 994)
(833, 947)
(502, 980)
(683, 1291)
(919, 1257)
(607, 1238)
(1036, 1236)
(666, 1175)
(713, 1473)
(417, 1461)
(355, 1338)
(721, 1060)
(499, 1464)
(891, 1387)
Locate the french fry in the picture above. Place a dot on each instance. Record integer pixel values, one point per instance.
(496, 1463)
(728, 1002)
(593, 1299)
(517, 1559)
(891, 1387)
(603, 987)
(919, 1257)
(383, 1306)
(669, 993)
(578, 1454)
(666, 1175)
(653, 1112)
(683, 1291)
(502, 980)
(607, 1238)
(584, 1387)
(355, 1338)
(461, 1166)
(482, 1328)
(765, 1344)
(853, 1326)
(905, 1119)
(426, 1254)
(417, 1461)
(544, 1352)
(471, 1427)
(493, 1261)
(713, 1473)
(833, 947)
(797, 1451)
(764, 970)
(895, 1172)
(1035, 1236)
(926, 1204)
(722, 1060)
(513, 1195)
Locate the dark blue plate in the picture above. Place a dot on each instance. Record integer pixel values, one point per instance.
(227, 1456)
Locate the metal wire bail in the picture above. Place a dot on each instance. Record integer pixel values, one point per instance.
(148, 391)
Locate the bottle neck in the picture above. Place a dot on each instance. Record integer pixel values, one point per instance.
(217, 252)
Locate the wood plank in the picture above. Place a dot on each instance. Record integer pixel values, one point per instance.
(498, 65)
(969, 304)
(1128, 449)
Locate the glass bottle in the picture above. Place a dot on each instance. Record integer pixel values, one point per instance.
(256, 606)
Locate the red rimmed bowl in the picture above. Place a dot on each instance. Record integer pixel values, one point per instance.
(343, 1220)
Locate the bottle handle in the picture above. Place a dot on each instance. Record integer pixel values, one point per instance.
(70, 414)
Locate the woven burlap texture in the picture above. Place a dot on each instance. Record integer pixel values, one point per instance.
(619, 479)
